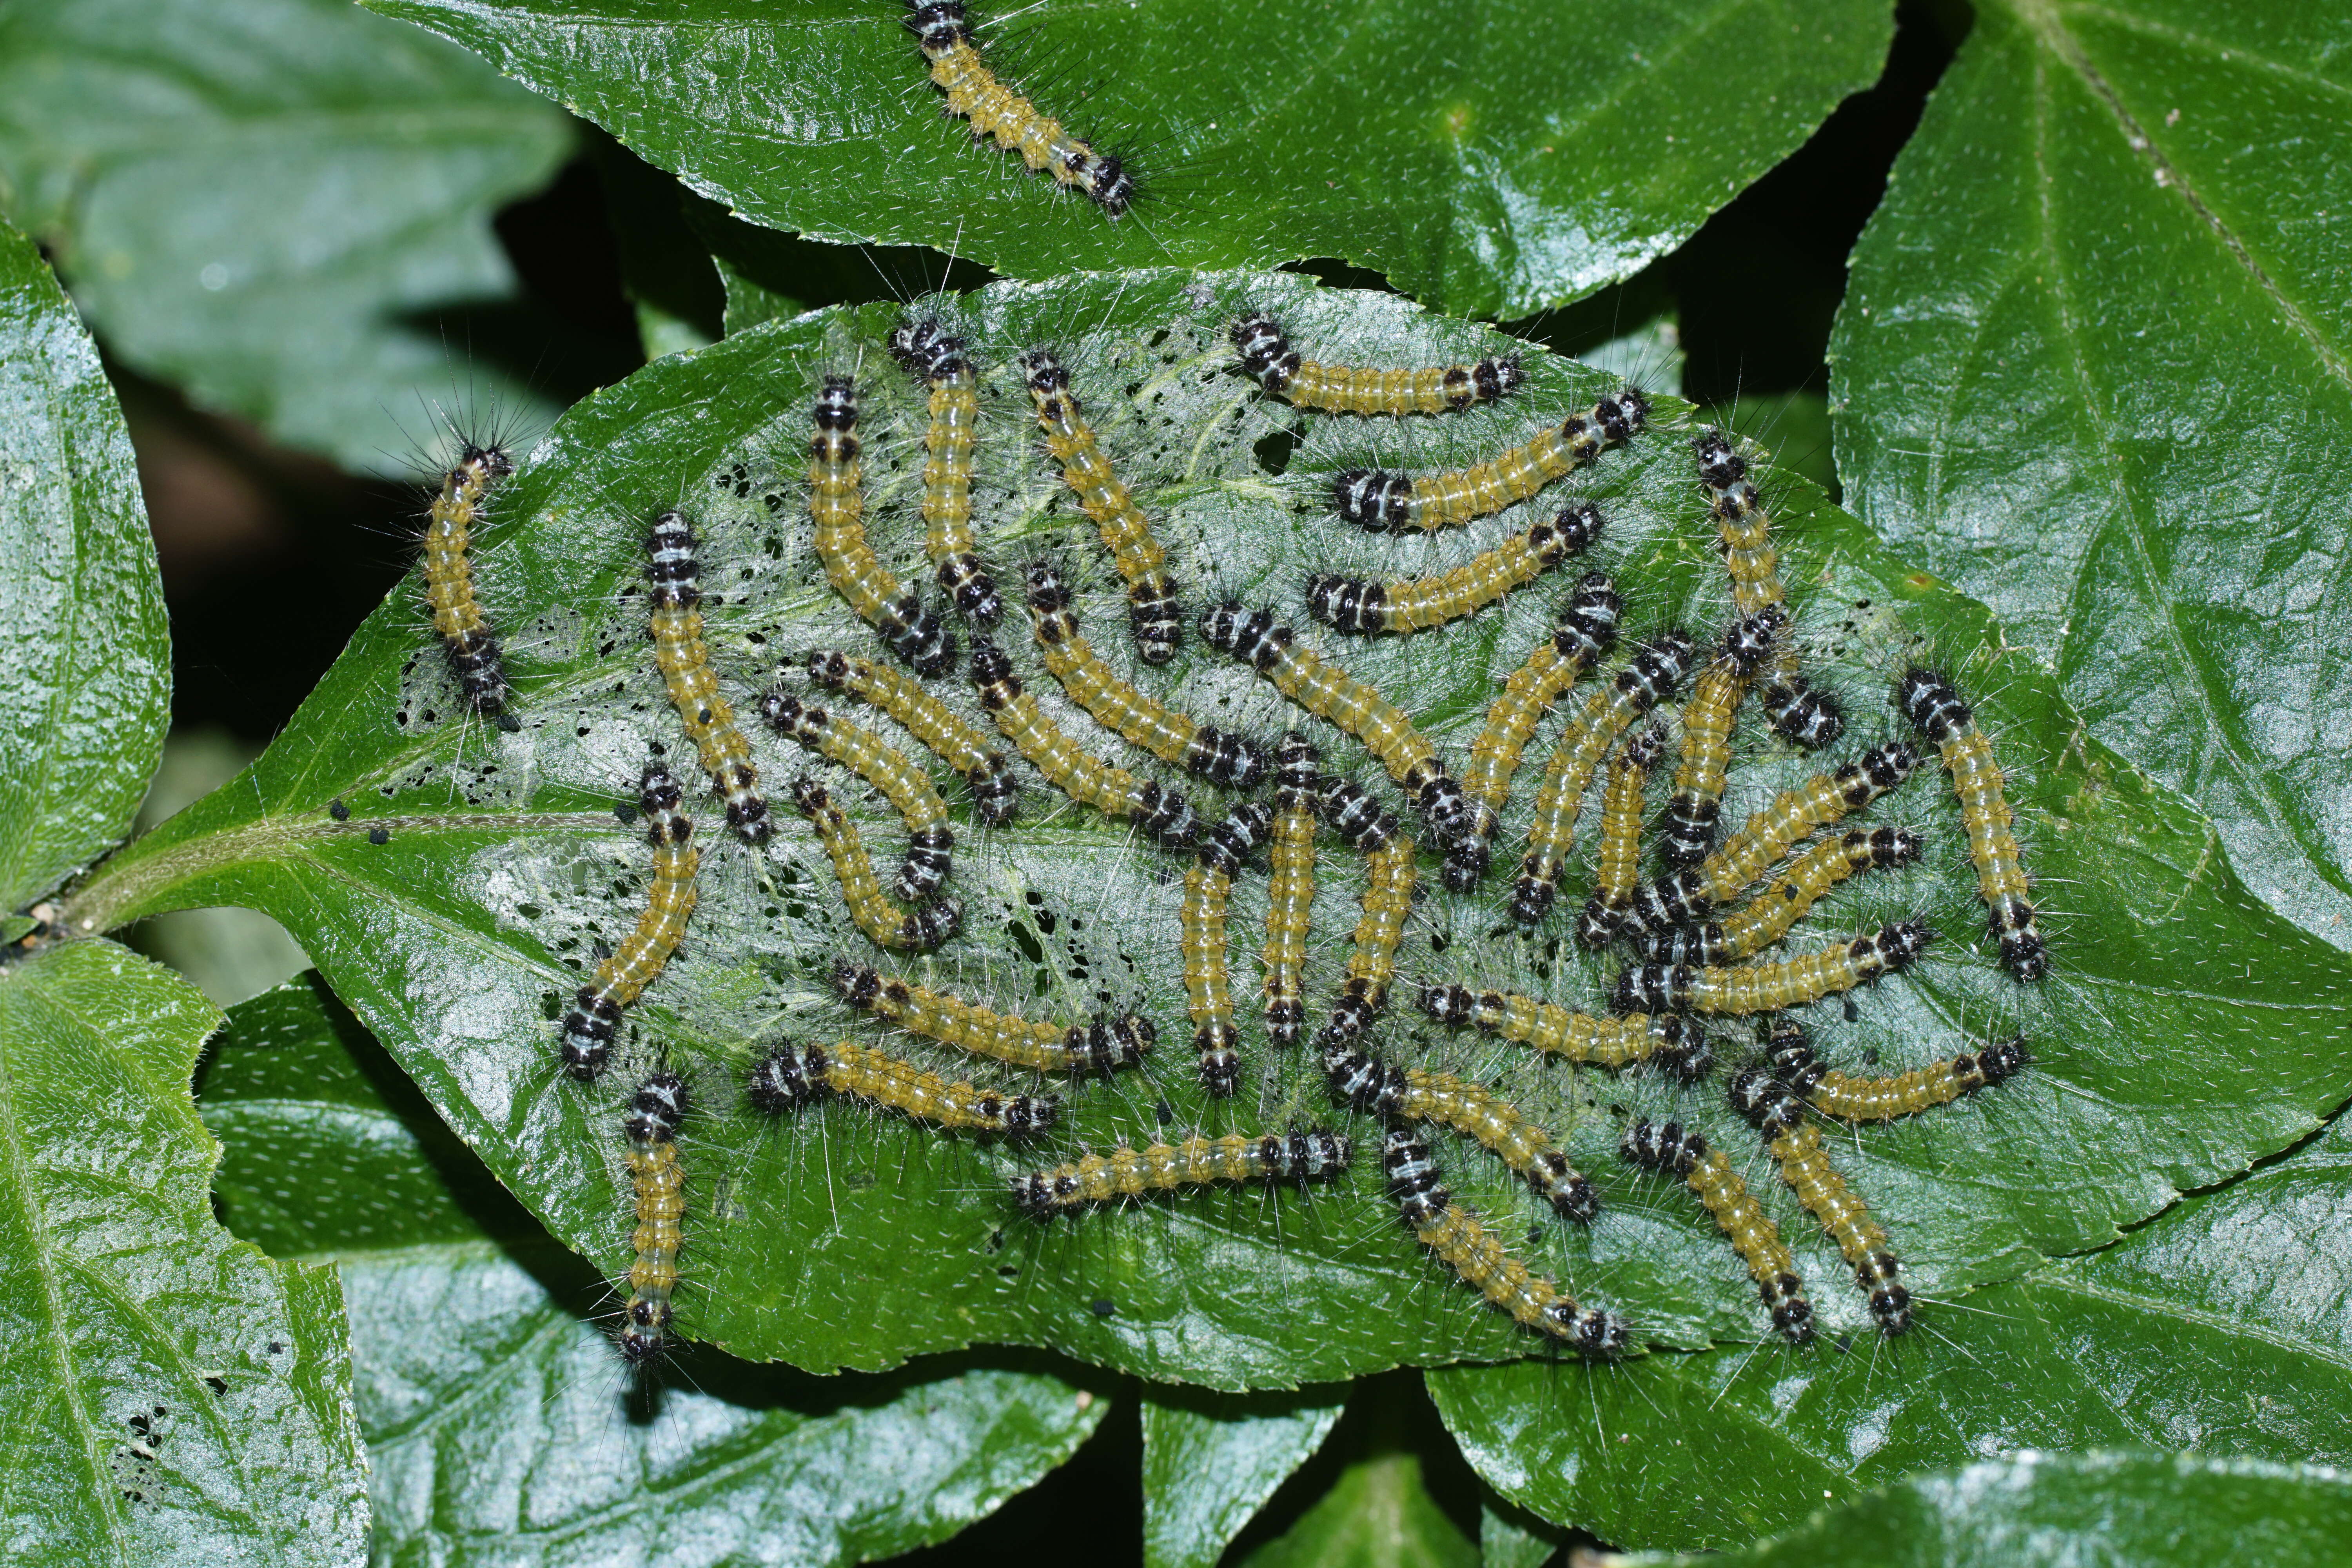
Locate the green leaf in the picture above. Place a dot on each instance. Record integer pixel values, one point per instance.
(1377, 1515)
(853, 1240)
(82, 604)
(1489, 159)
(508, 1431)
(1211, 1460)
(2094, 368)
(1513, 1538)
(172, 1394)
(269, 202)
(2053, 1510)
(2220, 1325)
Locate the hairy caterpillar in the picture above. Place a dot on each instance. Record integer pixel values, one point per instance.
(1666, 1039)
(1769, 987)
(789, 1077)
(1382, 502)
(1587, 630)
(1388, 898)
(693, 685)
(998, 113)
(1363, 823)
(1617, 864)
(1411, 1094)
(1766, 918)
(1102, 1047)
(1463, 1241)
(943, 363)
(1707, 718)
(1290, 887)
(995, 791)
(1936, 708)
(1161, 813)
(654, 1112)
(1823, 1192)
(1737, 1214)
(1688, 896)
(1230, 762)
(1647, 679)
(886, 924)
(1196, 1162)
(838, 505)
(1329, 692)
(1810, 719)
(1154, 613)
(628, 969)
(1208, 984)
(457, 619)
(1774, 1099)
(1268, 359)
(1352, 604)
(930, 842)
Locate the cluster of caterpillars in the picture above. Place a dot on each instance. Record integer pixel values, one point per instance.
(1702, 942)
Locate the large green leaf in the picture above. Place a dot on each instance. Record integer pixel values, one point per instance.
(457, 907)
(1211, 1460)
(1491, 158)
(267, 201)
(81, 604)
(2055, 1510)
(2094, 368)
(2220, 1326)
(1378, 1514)
(172, 1394)
(509, 1433)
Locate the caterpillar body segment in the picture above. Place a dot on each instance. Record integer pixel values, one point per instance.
(1154, 611)
(1201, 917)
(997, 113)
(458, 620)
(1771, 988)
(623, 974)
(1128, 1173)
(1462, 1241)
(655, 1112)
(1290, 887)
(1859, 1237)
(1383, 502)
(1689, 895)
(1617, 865)
(1774, 1099)
(995, 791)
(1648, 679)
(942, 362)
(1708, 720)
(1329, 692)
(1666, 1039)
(1767, 917)
(1744, 532)
(1227, 761)
(1363, 823)
(790, 1077)
(1357, 606)
(676, 622)
(1389, 873)
(1268, 359)
(1103, 1046)
(1161, 813)
(916, 929)
(1936, 709)
(1736, 1212)
(837, 507)
(930, 841)
(1412, 1094)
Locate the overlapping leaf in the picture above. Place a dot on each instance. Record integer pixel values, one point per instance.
(2186, 1030)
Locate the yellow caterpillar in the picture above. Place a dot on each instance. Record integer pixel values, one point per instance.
(1662, 1038)
(1932, 705)
(1154, 613)
(1352, 604)
(629, 968)
(1823, 1192)
(1775, 1099)
(457, 619)
(1617, 864)
(1196, 1162)
(789, 1077)
(1587, 630)
(1810, 719)
(1383, 502)
(886, 924)
(1389, 873)
(1707, 719)
(1737, 1214)
(693, 685)
(1771, 988)
(1766, 918)
(1161, 813)
(1208, 983)
(655, 1113)
(1269, 359)
(998, 114)
(930, 842)
(944, 365)
(1359, 1079)
(1102, 1047)
(995, 791)
(838, 505)
(1290, 888)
